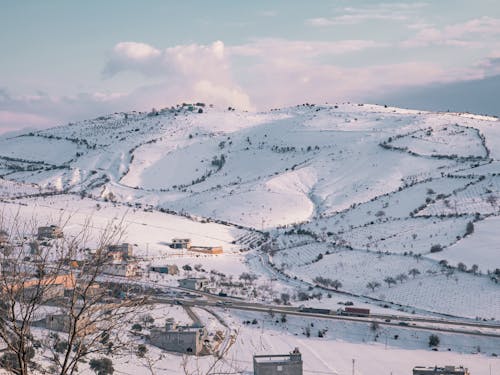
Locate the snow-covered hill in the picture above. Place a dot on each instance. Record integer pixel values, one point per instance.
(338, 187)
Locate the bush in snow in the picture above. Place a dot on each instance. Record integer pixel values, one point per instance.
(433, 340)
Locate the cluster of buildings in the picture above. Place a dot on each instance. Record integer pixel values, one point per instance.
(121, 261)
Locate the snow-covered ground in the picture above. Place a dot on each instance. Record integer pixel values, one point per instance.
(354, 193)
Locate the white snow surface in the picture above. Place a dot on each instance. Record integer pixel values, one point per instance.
(356, 193)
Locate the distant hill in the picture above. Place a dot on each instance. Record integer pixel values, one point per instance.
(476, 96)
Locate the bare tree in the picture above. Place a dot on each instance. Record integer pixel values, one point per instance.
(401, 277)
(285, 298)
(461, 267)
(336, 284)
(389, 280)
(373, 285)
(474, 269)
(414, 272)
(60, 273)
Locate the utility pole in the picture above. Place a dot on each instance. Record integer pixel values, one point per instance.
(353, 363)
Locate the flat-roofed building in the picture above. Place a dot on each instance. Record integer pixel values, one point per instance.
(52, 231)
(446, 370)
(179, 339)
(181, 243)
(169, 269)
(193, 283)
(125, 249)
(278, 364)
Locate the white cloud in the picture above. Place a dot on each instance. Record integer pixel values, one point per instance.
(299, 50)
(479, 32)
(136, 51)
(320, 22)
(192, 72)
(397, 12)
(208, 91)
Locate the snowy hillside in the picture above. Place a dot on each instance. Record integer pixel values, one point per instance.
(389, 209)
(339, 188)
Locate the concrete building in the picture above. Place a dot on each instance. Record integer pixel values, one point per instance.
(194, 283)
(278, 364)
(179, 339)
(125, 269)
(52, 231)
(169, 269)
(446, 370)
(46, 293)
(125, 249)
(181, 243)
(61, 323)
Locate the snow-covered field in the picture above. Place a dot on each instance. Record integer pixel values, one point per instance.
(354, 193)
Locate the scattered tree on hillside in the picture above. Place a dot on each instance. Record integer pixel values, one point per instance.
(373, 285)
(433, 340)
(102, 366)
(389, 280)
(336, 284)
(474, 269)
(285, 298)
(461, 267)
(401, 277)
(248, 278)
(443, 263)
(469, 229)
(414, 272)
(492, 199)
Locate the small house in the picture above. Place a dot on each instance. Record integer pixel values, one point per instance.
(278, 364)
(179, 339)
(169, 269)
(62, 323)
(125, 249)
(200, 283)
(50, 232)
(181, 243)
(124, 269)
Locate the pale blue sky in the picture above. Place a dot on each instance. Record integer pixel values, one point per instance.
(69, 60)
